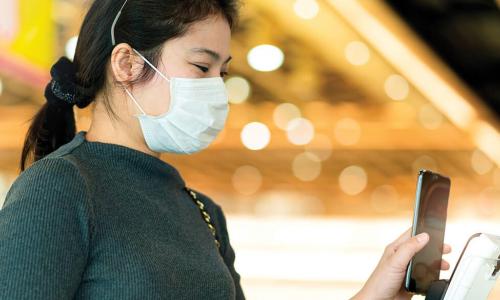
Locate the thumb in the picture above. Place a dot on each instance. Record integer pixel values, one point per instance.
(408, 249)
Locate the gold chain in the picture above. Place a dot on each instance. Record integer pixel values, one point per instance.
(204, 214)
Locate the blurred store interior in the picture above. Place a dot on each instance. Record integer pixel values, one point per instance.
(335, 106)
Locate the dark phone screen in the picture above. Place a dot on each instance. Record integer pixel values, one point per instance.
(431, 218)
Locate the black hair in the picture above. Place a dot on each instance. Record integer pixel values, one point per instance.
(145, 25)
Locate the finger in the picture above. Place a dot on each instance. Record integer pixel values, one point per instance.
(408, 249)
(402, 238)
(445, 265)
(446, 249)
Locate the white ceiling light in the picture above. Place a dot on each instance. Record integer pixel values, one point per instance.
(265, 58)
(255, 136)
(306, 9)
(71, 47)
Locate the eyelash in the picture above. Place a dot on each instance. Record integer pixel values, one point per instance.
(205, 69)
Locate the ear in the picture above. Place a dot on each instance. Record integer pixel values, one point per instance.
(124, 63)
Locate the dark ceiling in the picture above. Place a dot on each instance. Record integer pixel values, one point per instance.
(466, 34)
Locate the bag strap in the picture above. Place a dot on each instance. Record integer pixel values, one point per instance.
(204, 214)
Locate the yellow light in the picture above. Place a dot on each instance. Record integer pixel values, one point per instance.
(255, 136)
(480, 162)
(306, 9)
(347, 131)
(247, 180)
(300, 131)
(306, 166)
(353, 180)
(1, 86)
(238, 89)
(265, 58)
(357, 53)
(421, 75)
(284, 113)
(396, 87)
(488, 140)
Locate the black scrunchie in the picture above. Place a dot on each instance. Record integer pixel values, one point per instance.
(60, 92)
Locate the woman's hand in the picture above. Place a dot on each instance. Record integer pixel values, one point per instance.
(386, 281)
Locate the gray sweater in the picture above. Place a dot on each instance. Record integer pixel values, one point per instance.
(102, 221)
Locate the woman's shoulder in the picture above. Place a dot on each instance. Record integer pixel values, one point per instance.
(209, 203)
(50, 178)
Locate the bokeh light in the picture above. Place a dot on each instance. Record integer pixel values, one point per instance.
(284, 113)
(247, 180)
(300, 131)
(353, 180)
(238, 89)
(347, 131)
(306, 9)
(306, 166)
(265, 58)
(71, 47)
(255, 136)
(357, 53)
(480, 163)
(396, 87)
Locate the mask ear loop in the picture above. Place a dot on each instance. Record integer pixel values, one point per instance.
(151, 65)
(133, 99)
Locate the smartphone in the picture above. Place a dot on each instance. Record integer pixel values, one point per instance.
(431, 206)
(477, 269)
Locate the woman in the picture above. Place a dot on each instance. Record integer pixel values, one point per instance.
(99, 215)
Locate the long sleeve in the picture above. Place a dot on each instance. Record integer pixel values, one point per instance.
(45, 228)
(228, 253)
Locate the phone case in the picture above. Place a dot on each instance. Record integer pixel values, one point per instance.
(477, 269)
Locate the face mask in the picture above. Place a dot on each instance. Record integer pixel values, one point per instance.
(197, 113)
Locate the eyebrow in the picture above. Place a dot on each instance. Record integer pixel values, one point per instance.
(213, 54)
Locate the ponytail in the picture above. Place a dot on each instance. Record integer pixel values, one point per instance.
(54, 124)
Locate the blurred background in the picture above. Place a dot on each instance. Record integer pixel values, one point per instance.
(335, 106)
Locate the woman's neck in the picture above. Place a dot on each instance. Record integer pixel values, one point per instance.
(105, 130)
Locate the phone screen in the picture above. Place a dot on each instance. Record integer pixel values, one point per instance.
(431, 205)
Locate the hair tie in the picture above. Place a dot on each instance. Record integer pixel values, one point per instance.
(60, 92)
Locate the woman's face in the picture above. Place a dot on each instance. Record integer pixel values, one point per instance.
(204, 51)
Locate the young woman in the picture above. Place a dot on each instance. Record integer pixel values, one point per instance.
(99, 215)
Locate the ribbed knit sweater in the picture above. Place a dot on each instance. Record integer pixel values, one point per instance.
(96, 220)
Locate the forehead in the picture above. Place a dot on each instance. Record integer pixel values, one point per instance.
(213, 34)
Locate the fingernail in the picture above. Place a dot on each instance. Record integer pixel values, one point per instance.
(423, 237)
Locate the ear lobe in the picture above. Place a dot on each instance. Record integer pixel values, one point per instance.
(122, 63)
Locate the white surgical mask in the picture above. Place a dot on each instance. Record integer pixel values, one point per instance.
(197, 113)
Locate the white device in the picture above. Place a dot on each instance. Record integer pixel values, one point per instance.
(477, 269)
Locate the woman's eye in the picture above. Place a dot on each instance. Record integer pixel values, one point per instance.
(202, 68)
